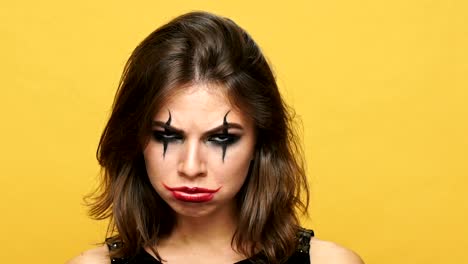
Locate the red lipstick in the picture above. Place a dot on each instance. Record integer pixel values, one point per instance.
(192, 194)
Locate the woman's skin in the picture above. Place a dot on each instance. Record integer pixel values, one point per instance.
(200, 140)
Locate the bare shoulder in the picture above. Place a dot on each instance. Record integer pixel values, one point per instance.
(324, 252)
(99, 255)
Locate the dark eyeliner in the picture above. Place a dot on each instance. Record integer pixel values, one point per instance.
(166, 136)
(223, 139)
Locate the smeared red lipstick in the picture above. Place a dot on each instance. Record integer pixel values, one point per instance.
(192, 194)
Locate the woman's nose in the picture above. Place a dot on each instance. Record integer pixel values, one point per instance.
(192, 162)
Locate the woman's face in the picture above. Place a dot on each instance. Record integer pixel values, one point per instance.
(200, 151)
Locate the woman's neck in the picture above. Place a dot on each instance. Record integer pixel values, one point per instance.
(206, 238)
(218, 227)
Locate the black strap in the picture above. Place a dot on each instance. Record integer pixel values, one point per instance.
(114, 244)
(304, 236)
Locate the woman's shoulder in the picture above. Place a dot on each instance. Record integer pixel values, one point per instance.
(99, 255)
(322, 252)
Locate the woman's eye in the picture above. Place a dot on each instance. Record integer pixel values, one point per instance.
(223, 139)
(164, 136)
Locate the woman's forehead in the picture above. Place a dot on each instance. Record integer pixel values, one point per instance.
(201, 104)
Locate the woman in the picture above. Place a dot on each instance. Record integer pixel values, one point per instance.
(200, 161)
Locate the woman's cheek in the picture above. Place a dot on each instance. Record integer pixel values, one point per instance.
(235, 168)
(157, 165)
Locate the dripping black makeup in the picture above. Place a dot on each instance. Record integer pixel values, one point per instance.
(168, 135)
(223, 136)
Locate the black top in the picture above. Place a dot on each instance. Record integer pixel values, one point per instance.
(300, 256)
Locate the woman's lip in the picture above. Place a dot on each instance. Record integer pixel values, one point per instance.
(191, 190)
(192, 194)
(193, 197)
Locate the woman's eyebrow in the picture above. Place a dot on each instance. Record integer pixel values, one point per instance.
(227, 125)
(167, 127)
(211, 131)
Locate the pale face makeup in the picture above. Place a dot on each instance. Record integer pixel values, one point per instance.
(199, 154)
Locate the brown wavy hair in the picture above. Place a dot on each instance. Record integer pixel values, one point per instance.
(201, 47)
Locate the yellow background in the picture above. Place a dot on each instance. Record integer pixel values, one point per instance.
(381, 88)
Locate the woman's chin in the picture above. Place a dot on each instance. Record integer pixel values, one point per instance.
(198, 209)
(194, 210)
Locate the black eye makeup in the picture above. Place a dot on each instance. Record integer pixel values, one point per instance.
(225, 135)
(165, 134)
(168, 135)
(223, 139)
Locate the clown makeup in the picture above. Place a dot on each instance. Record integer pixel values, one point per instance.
(218, 136)
(168, 135)
(224, 135)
